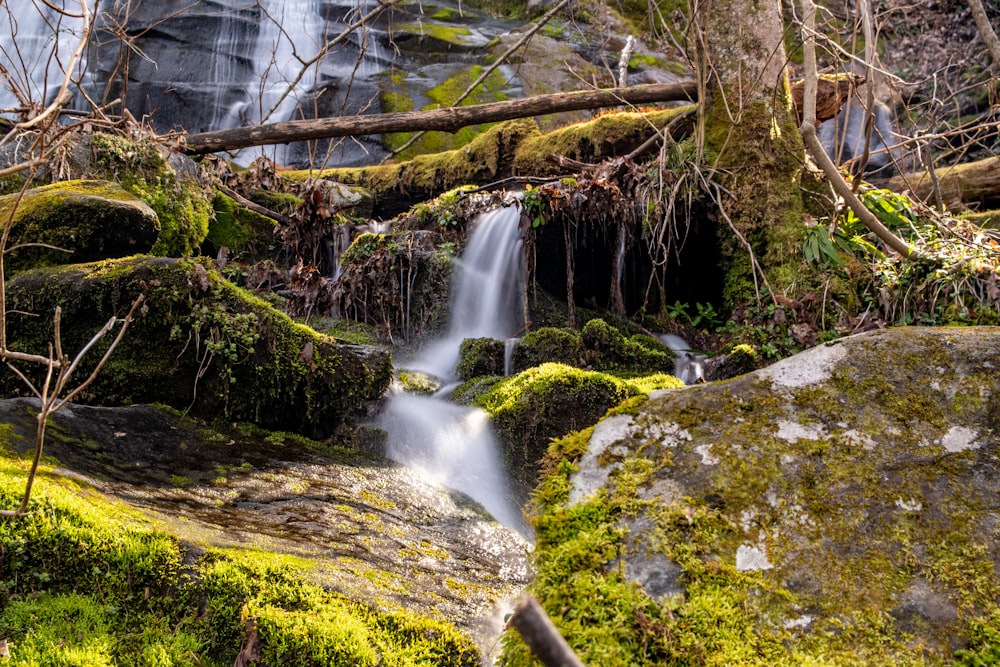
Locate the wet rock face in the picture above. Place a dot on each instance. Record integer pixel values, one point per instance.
(376, 531)
(852, 489)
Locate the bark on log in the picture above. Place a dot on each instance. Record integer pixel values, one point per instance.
(964, 186)
(450, 119)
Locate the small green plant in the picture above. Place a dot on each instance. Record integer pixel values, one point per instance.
(534, 206)
(706, 316)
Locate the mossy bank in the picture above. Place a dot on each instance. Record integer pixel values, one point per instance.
(198, 343)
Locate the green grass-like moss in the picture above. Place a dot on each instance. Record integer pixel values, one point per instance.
(89, 581)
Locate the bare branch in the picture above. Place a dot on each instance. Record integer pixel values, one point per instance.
(36, 245)
(541, 635)
(63, 96)
(986, 32)
(808, 130)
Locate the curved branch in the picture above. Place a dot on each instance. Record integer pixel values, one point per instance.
(808, 130)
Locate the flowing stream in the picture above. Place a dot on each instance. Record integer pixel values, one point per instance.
(451, 444)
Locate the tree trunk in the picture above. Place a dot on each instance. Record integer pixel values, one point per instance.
(451, 119)
(750, 128)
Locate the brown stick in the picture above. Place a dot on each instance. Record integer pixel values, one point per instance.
(446, 120)
(541, 636)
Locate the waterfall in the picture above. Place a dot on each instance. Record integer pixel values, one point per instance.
(42, 37)
(486, 291)
(290, 31)
(451, 444)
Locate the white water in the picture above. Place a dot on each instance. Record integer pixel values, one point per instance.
(454, 445)
(41, 38)
(291, 31)
(486, 291)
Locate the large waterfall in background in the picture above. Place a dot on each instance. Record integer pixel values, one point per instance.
(213, 66)
(34, 39)
(454, 445)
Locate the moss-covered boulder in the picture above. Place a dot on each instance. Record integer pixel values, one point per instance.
(608, 348)
(538, 346)
(88, 220)
(198, 343)
(836, 508)
(527, 410)
(481, 356)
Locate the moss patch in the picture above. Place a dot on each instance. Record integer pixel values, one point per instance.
(126, 592)
(199, 343)
(820, 511)
(89, 220)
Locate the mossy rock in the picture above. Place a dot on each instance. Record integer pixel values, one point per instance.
(199, 343)
(533, 407)
(91, 220)
(241, 231)
(190, 584)
(481, 356)
(169, 183)
(549, 344)
(609, 349)
(835, 508)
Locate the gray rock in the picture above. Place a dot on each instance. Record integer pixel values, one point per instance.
(375, 530)
(856, 483)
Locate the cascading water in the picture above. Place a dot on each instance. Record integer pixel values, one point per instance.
(454, 445)
(486, 291)
(35, 38)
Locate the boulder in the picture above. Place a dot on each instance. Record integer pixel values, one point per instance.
(838, 507)
(87, 219)
(199, 344)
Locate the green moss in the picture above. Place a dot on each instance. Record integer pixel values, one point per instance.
(609, 349)
(593, 140)
(87, 219)
(549, 344)
(762, 155)
(200, 343)
(237, 228)
(183, 207)
(125, 592)
(480, 356)
(527, 410)
(445, 95)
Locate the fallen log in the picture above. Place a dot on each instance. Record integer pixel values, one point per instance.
(450, 119)
(973, 185)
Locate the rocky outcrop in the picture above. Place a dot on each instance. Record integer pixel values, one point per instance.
(366, 529)
(838, 507)
(77, 221)
(199, 344)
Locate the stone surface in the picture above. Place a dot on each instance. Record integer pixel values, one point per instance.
(859, 479)
(376, 531)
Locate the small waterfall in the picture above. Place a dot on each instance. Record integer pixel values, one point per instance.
(508, 355)
(689, 365)
(486, 291)
(454, 445)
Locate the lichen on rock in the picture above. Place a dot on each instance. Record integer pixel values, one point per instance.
(837, 509)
